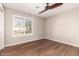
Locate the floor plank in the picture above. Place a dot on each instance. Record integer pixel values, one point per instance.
(42, 47)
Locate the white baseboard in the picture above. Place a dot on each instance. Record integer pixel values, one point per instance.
(75, 45)
(22, 42)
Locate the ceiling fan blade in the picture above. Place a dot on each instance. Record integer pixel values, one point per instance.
(56, 5)
(42, 11)
(47, 7)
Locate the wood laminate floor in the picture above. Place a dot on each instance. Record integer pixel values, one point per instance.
(42, 47)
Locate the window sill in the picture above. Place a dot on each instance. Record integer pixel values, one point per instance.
(23, 35)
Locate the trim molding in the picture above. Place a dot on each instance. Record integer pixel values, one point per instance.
(22, 42)
(44, 38)
(64, 42)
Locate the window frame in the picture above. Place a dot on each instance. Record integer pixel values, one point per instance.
(24, 22)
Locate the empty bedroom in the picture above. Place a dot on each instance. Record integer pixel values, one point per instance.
(39, 29)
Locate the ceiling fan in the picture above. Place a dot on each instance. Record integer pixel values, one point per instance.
(47, 7)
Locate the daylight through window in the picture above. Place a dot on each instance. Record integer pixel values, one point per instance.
(22, 25)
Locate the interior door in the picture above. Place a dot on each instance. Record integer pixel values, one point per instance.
(1, 28)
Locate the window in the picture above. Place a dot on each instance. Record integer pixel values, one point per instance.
(22, 26)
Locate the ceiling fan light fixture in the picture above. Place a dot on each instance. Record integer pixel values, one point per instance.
(37, 7)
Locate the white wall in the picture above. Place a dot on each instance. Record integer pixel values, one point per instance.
(64, 27)
(37, 27)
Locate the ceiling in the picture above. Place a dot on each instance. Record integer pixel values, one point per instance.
(35, 8)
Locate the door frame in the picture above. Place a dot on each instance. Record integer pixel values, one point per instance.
(2, 29)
